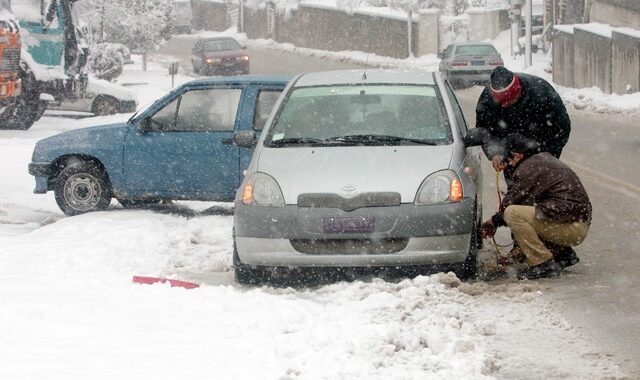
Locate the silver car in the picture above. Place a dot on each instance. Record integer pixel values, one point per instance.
(469, 63)
(360, 169)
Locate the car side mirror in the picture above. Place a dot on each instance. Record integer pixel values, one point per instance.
(475, 137)
(441, 55)
(243, 47)
(145, 125)
(245, 139)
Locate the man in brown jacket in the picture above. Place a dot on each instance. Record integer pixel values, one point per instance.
(546, 203)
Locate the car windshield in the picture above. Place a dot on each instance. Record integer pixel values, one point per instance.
(362, 115)
(226, 44)
(476, 50)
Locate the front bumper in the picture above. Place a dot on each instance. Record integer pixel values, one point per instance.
(221, 68)
(403, 235)
(42, 171)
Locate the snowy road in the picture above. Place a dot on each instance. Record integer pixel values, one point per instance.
(70, 310)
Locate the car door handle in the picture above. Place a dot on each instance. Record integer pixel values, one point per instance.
(227, 141)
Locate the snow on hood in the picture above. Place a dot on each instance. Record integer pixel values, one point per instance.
(369, 169)
(103, 87)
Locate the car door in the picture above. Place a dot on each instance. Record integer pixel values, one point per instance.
(189, 151)
(259, 102)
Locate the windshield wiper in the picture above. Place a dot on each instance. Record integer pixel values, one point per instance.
(381, 140)
(297, 141)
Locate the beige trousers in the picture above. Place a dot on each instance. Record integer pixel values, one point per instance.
(530, 233)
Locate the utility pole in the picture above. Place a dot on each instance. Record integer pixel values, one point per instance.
(514, 15)
(527, 39)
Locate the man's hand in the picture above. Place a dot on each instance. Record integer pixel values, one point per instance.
(488, 229)
(497, 163)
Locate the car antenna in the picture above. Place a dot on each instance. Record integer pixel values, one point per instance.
(364, 74)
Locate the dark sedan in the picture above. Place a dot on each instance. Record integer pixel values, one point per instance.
(219, 56)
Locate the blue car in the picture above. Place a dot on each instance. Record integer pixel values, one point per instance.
(180, 148)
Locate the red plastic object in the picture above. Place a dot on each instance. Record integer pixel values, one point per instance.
(153, 280)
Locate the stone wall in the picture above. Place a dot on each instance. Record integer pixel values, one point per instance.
(563, 57)
(592, 59)
(335, 30)
(622, 13)
(625, 55)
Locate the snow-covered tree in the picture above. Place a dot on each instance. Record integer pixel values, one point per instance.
(141, 25)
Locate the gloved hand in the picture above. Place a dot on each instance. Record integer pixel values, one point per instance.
(498, 163)
(488, 229)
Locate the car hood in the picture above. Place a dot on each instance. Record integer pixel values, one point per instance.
(81, 141)
(225, 53)
(348, 171)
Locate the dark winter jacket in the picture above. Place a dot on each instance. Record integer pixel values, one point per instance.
(551, 187)
(539, 114)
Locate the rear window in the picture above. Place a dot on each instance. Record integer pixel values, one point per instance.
(476, 50)
(330, 112)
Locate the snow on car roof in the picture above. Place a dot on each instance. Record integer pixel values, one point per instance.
(373, 76)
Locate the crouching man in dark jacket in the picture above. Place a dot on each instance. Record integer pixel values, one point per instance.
(546, 203)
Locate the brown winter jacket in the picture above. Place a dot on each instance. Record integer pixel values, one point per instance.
(551, 187)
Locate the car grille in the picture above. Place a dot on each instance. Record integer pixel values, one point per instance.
(10, 60)
(348, 246)
(349, 204)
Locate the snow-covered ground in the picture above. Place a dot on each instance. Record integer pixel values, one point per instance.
(69, 308)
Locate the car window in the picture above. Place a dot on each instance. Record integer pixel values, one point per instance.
(208, 110)
(266, 100)
(448, 52)
(329, 112)
(165, 118)
(476, 50)
(460, 120)
(225, 44)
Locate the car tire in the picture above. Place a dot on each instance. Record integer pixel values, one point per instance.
(82, 187)
(469, 269)
(104, 105)
(246, 274)
(22, 111)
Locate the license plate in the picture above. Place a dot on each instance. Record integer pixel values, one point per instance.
(337, 225)
(477, 63)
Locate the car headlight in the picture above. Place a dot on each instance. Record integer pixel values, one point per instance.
(243, 58)
(262, 190)
(211, 60)
(440, 187)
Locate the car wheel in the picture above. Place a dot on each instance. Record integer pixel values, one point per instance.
(82, 187)
(133, 203)
(104, 105)
(469, 269)
(245, 274)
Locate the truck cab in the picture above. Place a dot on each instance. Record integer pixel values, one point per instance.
(53, 59)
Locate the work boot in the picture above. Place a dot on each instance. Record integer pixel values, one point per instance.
(565, 256)
(549, 268)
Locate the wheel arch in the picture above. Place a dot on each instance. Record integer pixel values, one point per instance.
(70, 159)
(102, 97)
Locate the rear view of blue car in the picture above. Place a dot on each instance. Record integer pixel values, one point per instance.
(179, 148)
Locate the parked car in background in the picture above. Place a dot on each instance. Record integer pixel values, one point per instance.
(180, 147)
(219, 56)
(359, 170)
(183, 16)
(469, 63)
(100, 98)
